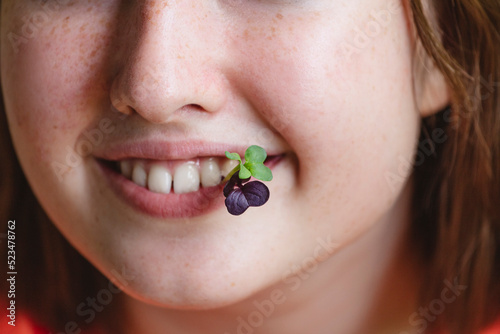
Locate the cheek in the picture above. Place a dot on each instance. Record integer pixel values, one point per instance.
(53, 77)
(348, 117)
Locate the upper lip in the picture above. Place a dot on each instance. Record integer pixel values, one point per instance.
(167, 150)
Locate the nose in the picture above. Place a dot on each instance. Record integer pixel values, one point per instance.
(170, 61)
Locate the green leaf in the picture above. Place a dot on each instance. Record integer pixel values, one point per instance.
(244, 173)
(255, 154)
(259, 171)
(233, 156)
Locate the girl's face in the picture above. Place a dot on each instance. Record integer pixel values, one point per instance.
(324, 86)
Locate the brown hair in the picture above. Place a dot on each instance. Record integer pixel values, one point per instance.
(456, 200)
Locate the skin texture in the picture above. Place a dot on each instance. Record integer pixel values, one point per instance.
(285, 75)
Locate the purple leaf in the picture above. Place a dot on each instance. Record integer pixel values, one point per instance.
(238, 200)
(236, 203)
(229, 186)
(233, 181)
(256, 193)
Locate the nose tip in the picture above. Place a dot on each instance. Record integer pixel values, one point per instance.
(132, 92)
(156, 100)
(168, 67)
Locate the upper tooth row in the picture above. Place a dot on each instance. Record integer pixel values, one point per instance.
(186, 178)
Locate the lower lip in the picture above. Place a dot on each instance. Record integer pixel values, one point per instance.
(172, 205)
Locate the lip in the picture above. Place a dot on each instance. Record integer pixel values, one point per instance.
(160, 150)
(166, 206)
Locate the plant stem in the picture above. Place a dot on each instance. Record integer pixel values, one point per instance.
(231, 173)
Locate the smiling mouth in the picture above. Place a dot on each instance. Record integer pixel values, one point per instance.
(172, 188)
(177, 176)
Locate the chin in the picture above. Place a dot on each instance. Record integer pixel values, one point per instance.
(217, 293)
(186, 278)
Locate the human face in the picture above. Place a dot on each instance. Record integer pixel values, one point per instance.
(324, 86)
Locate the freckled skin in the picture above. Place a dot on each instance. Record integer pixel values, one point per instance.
(220, 71)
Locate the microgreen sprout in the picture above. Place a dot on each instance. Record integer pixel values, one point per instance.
(241, 194)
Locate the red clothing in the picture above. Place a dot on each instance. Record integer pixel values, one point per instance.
(494, 329)
(25, 326)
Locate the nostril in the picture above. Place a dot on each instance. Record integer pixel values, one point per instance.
(121, 106)
(192, 107)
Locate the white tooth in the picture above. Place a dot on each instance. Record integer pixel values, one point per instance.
(159, 179)
(210, 173)
(139, 175)
(228, 166)
(186, 178)
(126, 168)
